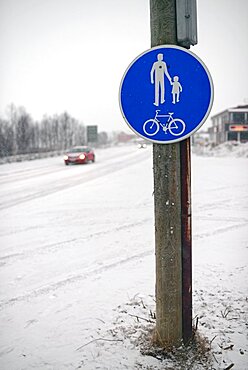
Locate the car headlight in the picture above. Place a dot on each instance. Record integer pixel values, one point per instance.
(65, 157)
(82, 156)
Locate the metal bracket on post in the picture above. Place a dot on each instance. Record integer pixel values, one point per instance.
(186, 22)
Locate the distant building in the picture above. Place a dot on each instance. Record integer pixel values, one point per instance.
(231, 124)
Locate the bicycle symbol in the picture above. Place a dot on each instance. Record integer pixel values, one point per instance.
(176, 126)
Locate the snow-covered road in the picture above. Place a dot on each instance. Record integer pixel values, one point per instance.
(21, 182)
(77, 242)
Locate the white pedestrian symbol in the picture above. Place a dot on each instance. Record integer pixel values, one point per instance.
(176, 89)
(159, 68)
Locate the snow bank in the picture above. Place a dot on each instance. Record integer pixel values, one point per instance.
(228, 149)
(29, 157)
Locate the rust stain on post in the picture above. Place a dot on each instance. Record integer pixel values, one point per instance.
(186, 240)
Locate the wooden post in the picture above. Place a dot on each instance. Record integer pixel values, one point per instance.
(167, 204)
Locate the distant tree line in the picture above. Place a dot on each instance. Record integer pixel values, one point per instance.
(20, 134)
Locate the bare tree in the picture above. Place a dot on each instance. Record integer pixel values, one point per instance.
(6, 139)
(19, 134)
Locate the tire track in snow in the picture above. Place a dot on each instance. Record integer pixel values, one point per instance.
(27, 174)
(222, 219)
(219, 203)
(73, 279)
(47, 289)
(54, 247)
(220, 230)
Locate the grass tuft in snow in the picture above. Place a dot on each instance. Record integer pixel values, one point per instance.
(135, 325)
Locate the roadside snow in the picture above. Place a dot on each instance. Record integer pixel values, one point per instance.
(77, 264)
(228, 149)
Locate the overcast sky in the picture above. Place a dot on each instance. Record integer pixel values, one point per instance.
(59, 55)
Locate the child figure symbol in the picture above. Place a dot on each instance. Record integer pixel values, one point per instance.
(176, 90)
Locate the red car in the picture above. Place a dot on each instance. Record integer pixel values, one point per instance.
(79, 155)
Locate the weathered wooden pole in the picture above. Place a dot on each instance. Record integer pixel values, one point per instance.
(167, 204)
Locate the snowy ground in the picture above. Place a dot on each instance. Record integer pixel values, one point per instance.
(227, 149)
(77, 263)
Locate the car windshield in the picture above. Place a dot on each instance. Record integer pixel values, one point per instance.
(78, 150)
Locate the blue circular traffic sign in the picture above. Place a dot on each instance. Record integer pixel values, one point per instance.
(166, 94)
